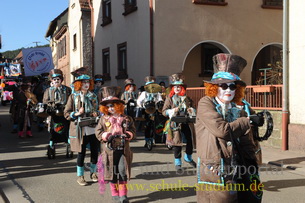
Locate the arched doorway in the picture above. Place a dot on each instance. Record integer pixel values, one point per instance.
(198, 64)
(267, 66)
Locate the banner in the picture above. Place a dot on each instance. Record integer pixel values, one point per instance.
(12, 70)
(37, 60)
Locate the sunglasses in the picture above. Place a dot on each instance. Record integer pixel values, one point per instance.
(109, 105)
(224, 86)
(55, 79)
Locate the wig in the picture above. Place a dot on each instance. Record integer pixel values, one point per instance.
(119, 108)
(78, 85)
(212, 91)
(128, 87)
(181, 93)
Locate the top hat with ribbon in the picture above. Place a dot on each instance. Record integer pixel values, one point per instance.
(227, 68)
(111, 94)
(56, 73)
(177, 79)
(82, 77)
(98, 78)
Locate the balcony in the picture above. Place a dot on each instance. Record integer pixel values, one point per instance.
(269, 97)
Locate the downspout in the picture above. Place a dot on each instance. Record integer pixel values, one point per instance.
(151, 23)
(285, 110)
(92, 36)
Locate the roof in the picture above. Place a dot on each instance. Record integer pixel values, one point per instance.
(53, 23)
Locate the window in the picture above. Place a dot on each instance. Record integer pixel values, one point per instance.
(106, 64)
(61, 49)
(122, 61)
(211, 2)
(130, 6)
(74, 42)
(106, 12)
(207, 53)
(273, 4)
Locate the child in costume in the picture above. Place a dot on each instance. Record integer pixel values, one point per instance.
(114, 131)
(82, 105)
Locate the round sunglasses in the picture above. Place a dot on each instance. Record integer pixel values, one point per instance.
(225, 86)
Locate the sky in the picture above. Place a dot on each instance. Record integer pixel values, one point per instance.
(23, 23)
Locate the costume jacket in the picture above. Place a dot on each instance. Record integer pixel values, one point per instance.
(183, 102)
(109, 125)
(214, 146)
(73, 105)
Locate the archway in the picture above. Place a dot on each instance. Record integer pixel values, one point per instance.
(267, 65)
(198, 64)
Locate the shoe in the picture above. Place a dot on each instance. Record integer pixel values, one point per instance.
(20, 134)
(94, 177)
(178, 168)
(29, 134)
(124, 199)
(116, 199)
(81, 181)
(192, 163)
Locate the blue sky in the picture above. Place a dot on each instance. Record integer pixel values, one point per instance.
(25, 22)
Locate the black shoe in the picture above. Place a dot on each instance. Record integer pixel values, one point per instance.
(192, 163)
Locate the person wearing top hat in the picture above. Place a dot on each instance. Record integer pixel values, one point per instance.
(148, 100)
(224, 137)
(178, 104)
(78, 72)
(114, 131)
(129, 96)
(26, 100)
(56, 98)
(83, 105)
(98, 82)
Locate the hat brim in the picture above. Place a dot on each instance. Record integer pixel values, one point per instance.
(172, 85)
(220, 81)
(130, 84)
(111, 101)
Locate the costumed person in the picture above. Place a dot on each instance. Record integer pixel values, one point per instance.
(114, 131)
(129, 96)
(98, 82)
(148, 100)
(78, 72)
(178, 104)
(15, 88)
(82, 106)
(225, 146)
(26, 100)
(55, 98)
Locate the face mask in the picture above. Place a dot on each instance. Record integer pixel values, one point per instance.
(111, 108)
(177, 89)
(56, 82)
(226, 95)
(85, 85)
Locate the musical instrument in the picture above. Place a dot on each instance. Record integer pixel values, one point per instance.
(130, 108)
(184, 117)
(116, 142)
(139, 114)
(269, 126)
(150, 107)
(87, 121)
(59, 109)
(41, 110)
(153, 88)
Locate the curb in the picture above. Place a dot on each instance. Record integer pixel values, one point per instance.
(4, 197)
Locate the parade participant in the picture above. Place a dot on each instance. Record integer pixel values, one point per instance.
(148, 100)
(129, 96)
(98, 82)
(177, 103)
(114, 130)
(14, 105)
(56, 98)
(26, 100)
(225, 147)
(83, 105)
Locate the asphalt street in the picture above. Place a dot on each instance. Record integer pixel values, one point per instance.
(27, 175)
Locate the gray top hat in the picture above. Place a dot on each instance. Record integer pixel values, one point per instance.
(111, 94)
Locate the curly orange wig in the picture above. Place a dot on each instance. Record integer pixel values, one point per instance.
(119, 108)
(78, 85)
(128, 87)
(181, 93)
(212, 91)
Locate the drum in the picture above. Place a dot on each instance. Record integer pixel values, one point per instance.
(130, 109)
(139, 114)
(41, 110)
(59, 109)
(160, 105)
(150, 107)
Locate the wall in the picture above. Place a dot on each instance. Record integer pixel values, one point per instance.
(242, 26)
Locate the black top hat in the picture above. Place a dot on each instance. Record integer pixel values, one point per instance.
(227, 68)
(111, 94)
(80, 71)
(99, 78)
